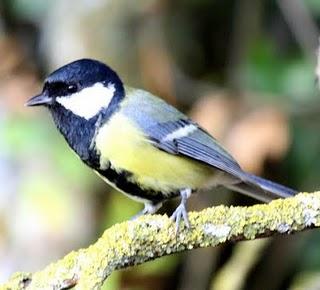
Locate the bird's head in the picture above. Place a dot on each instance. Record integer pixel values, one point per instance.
(84, 88)
(80, 96)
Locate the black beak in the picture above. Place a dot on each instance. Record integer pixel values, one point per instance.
(39, 100)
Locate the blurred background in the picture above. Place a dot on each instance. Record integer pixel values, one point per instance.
(243, 69)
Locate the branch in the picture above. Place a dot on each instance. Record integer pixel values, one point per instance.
(151, 237)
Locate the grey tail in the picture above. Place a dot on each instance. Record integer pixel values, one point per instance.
(260, 188)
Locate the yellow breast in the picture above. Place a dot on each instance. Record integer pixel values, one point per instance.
(122, 143)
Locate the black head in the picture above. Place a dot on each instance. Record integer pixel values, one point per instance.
(77, 84)
(77, 95)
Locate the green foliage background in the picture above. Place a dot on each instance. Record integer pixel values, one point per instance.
(245, 51)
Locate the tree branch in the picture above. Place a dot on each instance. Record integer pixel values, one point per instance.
(151, 237)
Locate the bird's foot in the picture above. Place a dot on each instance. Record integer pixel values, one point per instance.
(149, 208)
(181, 210)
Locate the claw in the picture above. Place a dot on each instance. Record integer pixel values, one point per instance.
(181, 210)
(149, 208)
(179, 213)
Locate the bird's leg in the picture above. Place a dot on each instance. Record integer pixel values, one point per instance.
(149, 208)
(181, 210)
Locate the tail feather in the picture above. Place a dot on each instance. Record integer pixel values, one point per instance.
(260, 188)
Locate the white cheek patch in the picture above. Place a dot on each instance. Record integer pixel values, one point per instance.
(180, 133)
(89, 101)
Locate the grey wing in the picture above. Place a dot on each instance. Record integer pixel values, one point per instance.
(202, 147)
(162, 122)
(198, 145)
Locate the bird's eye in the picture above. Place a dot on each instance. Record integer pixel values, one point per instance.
(72, 88)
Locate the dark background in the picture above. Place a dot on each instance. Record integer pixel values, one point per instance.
(243, 69)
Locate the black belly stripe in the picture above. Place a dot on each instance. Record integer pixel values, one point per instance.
(122, 181)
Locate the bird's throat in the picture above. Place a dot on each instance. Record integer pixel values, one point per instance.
(78, 132)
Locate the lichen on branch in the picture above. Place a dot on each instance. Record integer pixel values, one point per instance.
(150, 237)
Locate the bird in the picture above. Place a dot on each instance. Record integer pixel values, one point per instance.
(138, 143)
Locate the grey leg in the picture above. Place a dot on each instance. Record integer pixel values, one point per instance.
(181, 210)
(149, 208)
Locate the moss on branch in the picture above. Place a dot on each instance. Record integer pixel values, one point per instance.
(151, 237)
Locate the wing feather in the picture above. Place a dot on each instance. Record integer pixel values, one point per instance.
(211, 154)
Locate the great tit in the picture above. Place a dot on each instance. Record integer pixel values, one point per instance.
(138, 143)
